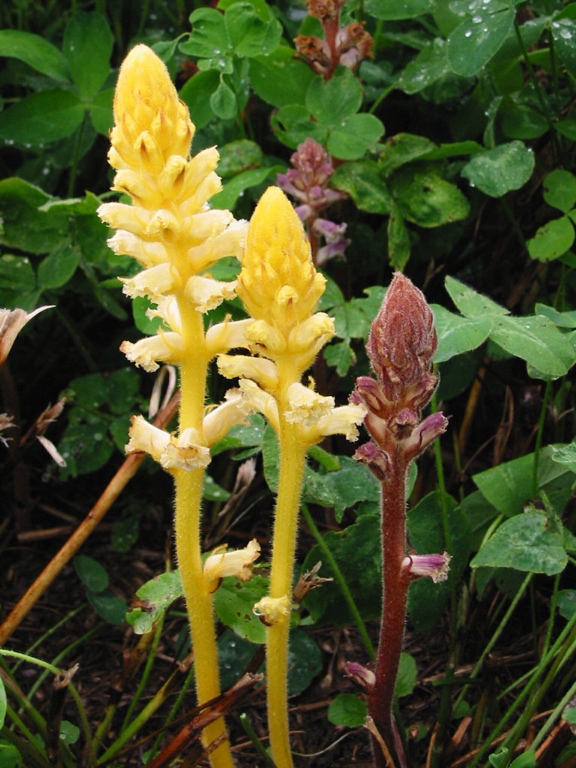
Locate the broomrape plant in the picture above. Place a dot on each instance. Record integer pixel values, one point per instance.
(170, 231)
(280, 288)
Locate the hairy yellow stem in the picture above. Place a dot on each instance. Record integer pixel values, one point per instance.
(188, 503)
(292, 462)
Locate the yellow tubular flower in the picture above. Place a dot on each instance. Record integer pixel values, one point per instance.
(170, 230)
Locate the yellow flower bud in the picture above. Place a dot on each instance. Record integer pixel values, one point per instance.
(278, 282)
(151, 123)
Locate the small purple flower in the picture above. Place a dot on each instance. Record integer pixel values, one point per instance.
(333, 235)
(307, 181)
(435, 567)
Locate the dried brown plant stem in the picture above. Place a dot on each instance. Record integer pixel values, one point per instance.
(112, 491)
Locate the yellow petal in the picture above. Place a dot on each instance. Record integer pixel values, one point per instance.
(236, 563)
(153, 282)
(260, 370)
(219, 421)
(306, 406)
(272, 609)
(206, 293)
(147, 353)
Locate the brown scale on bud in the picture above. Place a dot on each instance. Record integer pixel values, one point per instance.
(402, 343)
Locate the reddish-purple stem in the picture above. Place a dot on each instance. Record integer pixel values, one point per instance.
(394, 596)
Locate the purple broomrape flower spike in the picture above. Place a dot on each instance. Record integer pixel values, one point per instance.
(401, 345)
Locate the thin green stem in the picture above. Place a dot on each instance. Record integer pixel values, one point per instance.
(539, 436)
(566, 636)
(147, 670)
(258, 746)
(341, 581)
(494, 639)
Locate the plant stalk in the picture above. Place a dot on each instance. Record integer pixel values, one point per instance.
(394, 597)
(292, 462)
(193, 373)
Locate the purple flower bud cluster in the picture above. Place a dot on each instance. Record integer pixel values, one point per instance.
(307, 182)
(401, 346)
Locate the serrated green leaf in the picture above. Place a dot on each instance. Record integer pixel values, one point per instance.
(524, 543)
(347, 709)
(477, 39)
(41, 118)
(333, 101)
(248, 33)
(348, 485)
(233, 603)
(362, 180)
(340, 355)
(354, 136)
(501, 170)
(280, 79)
(356, 549)
(35, 51)
(552, 240)
(87, 46)
(155, 597)
(425, 198)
